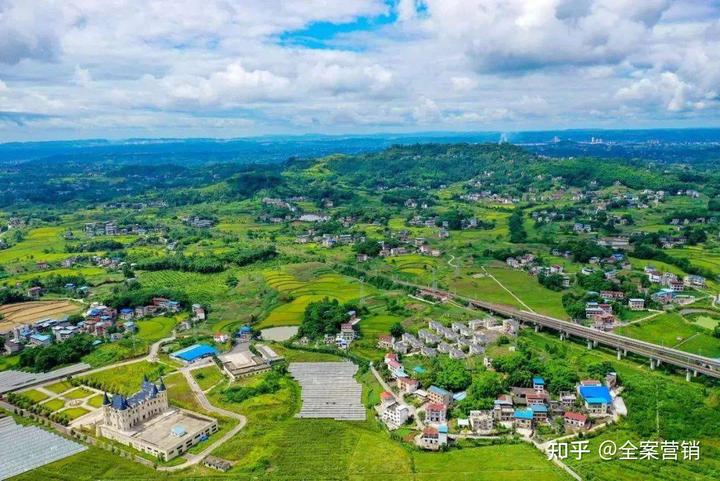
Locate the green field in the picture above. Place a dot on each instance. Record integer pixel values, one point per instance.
(304, 291)
(203, 288)
(74, 413)
(55, 404)
(35, 395)
(157, 328)
(96, 401)
(79, 393)
(207, 377)
(42, 244)
(672, 330)
(127, 379)
(528, 289)
(59, 387)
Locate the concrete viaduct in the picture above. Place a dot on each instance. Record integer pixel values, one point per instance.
(692, 363)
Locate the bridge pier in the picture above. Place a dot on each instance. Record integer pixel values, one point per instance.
(537, 328)
(687, 375)
(652, 363)
(595, 344)
(619, 354)
(562, 336)
(589, 344)
(624, 352)
(695, 373)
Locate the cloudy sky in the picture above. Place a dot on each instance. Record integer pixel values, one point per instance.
(227, 68)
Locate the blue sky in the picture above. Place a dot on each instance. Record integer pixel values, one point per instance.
(224, 68)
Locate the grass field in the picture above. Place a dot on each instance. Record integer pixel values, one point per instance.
(415, 265)
(59, 387)
(372, 327)
(110, 353)
(55, 404)
(35, 395)
(126, 379)
(157, 328)
(9, 362)
(207, 377)
(706, 321)
(530, 291)
(79, 393)
(96, 401)
(484, 288)
(672, 330)
(203, 288)
(74, 413)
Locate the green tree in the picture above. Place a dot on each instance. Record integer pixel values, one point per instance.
(397, 330)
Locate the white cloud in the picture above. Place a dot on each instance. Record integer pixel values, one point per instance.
(173, 67)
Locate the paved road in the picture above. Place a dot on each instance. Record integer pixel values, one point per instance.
(398, 398)
(193, 459)
(152, 356)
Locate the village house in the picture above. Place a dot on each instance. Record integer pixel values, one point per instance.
(438, 395)
(503, 409)
(347, 332)
(428, 351)
(395, 414)
(612, 295)
(694, 281)
(523, 418)
(385, 342)
(432, 438)
(482, 422)
(34, 292)
(435, 413)
(407, 385)
(636, 304)
(596, 397)
(575, 421)
(434, 294)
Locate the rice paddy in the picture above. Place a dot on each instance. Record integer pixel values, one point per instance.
(302, 292)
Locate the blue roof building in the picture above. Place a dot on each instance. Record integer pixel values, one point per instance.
(195, 352)
(419, 369)
(596, 394)
(523, 414)
(539, 408)
(459, 396)
(40, 339)
(538, 381)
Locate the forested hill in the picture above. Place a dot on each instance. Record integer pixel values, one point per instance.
(430, 165)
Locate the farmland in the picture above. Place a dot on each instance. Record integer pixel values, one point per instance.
(309, 286)
(29, 312)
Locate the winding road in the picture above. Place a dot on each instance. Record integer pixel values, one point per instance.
(193, 459)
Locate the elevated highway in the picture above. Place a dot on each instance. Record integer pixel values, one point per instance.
(692, 363)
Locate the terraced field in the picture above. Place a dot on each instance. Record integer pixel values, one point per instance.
(413, 264)
(30, 312)
(303, 292)
(202, 288)
(42, 244)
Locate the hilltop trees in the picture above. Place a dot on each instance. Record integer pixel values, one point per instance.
(322, 317)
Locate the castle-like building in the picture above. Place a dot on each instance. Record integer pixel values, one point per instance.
(123, 413)
(145, 421)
